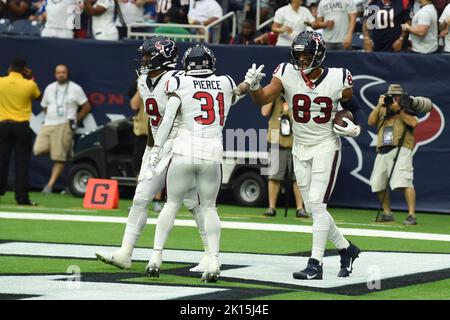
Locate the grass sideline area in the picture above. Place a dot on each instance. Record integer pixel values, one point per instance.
(427, 285)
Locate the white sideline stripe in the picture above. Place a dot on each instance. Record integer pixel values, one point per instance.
(232, 225)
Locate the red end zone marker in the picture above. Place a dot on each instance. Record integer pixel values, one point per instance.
(101, 194)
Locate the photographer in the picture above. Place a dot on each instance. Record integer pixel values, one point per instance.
(61, 102)
(395, 124)
(280, 138)
(17, 90)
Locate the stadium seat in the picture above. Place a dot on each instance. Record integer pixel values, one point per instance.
(4, 26)
(358, 41)
(26, 27)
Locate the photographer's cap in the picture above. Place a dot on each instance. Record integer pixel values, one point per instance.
(395, 89)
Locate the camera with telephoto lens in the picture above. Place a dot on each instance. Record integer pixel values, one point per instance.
(415, 104)
(411, 104)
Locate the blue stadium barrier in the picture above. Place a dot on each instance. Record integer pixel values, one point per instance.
(105, 70)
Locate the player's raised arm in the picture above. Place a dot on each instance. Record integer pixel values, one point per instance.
(260, 96)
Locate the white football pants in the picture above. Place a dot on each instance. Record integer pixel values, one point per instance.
(316, 178)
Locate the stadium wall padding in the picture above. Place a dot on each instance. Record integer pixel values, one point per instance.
(106, 70)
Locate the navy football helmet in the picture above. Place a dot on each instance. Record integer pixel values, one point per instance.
(199, 60)
(307, 51)
(155, 53)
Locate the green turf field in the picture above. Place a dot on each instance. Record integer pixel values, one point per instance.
(253, 261)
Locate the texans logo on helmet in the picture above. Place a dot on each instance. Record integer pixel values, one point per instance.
(165, 47)
(317, 38)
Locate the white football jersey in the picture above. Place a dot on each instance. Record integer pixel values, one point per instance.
(205, 103)
(155, 98)
(313, 109)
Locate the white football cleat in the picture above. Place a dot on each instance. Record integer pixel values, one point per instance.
(201, 267)
(153, 266)
(212, 271)
(114, 258)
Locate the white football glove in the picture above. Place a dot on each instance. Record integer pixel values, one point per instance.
(351, 130)
(155, 156)
(254, 76)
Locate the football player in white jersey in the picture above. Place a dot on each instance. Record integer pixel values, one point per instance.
(158, 58)
(203, 100)
(313, 94)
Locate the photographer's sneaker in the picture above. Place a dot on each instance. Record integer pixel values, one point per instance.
(410, 221)
(212, 271)
(302, 214)
(313, 271)
(115, 258)
(154, 265)
(385, 218)
(271, 212)
(47, 189)
(348, 257)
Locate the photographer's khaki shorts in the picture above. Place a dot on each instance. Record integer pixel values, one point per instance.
(56, 140)
(403, 174)
(280, 160)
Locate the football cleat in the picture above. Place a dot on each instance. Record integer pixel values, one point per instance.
(212, 271)
(348, 257)
(201, 267)
(114, 258)
(313, 271)
(154, 265)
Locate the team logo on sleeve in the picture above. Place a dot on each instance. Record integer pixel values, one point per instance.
(165, 47)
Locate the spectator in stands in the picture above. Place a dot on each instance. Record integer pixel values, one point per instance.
(204, 12)
(173, 16)
(338, 19)
(444, 22)
(132, 11)
(61, 18)
(280, 140)
(290, 20)
(381, 33)
(37, 9)
(250, 9)
(395, 129)
(60, 102)
(182, 6)
(314, 11)
(17, 90)
(247, 35)
(16, 9)
(424, 28)
(102, 12)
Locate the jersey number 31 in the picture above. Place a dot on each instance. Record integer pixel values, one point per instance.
(207, 105)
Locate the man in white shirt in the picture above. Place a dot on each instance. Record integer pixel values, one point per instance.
(444, 22)
(338, 19)
(424, 28)
(132, 12)
(103, 25)
(60, 102)
(290, 20)
(204, 11)
(61, 18)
